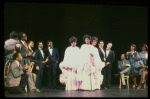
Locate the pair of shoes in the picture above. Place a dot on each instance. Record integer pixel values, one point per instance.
(37, 90)
(103, 87)
(117, 75)
(108, 87)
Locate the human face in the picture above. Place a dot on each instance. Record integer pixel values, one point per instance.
(24, 37)
(87, 41)
(50, 44)
(73, 44)
(122, 57)
(132, 48)
(109, 45)
(143, 49)
(101, 44)
(94, 42)
(40, 45)
(19, 58)
(31, 44)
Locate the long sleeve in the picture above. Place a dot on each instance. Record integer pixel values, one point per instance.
(113, 57)
(57, 56)
(15, 71)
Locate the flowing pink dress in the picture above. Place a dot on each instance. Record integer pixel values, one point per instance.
(69, 68)
(89, 72)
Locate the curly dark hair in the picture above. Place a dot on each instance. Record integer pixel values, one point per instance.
(72, 39)
(94, 38)
(134, 46)
(144, 45)
(86, 36)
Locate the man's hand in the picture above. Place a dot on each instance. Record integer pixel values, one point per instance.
(142, 65)
(33, 55)
(26, 67)
(37, 67)
(131, 53)
(47, 66)
(104, 59)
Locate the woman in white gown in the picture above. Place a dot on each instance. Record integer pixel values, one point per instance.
(69, 66)
(89, 63)
(99, 65)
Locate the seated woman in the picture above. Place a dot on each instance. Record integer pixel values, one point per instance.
(69, 66)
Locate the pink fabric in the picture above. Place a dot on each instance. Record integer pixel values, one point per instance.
(90, 68)
(69, 68)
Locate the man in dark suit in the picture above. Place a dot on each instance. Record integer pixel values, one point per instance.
(39, 57)
(102, 56)
(24, 53)
(53, 55)
(110, 58)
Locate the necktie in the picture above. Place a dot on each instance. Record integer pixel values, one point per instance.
(25, 46)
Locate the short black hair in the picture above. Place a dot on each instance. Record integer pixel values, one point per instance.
(39, 42)
(72, 39)
(94, 38)
(13, 35)
(21, 35)
(49, 41)
(30, 41)
(86, 36)
(15, 55)
(101, 41)
(144, 45)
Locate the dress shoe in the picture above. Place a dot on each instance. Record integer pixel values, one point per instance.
(37, 90)
(108, 87)
(117, 75)
(32, 91)
(124, 86)
(103, 87)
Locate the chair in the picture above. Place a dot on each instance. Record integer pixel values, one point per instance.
(126, 78)
(6, 71)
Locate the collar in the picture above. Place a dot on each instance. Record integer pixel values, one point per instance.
(39, 48)
(123, 60)
(29, 47)
(22, 41)
(17, 62)
(50, 48)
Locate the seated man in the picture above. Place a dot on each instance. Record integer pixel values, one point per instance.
(124, 68)
(16, 79)
(143, 74)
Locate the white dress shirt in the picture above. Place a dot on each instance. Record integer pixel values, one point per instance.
(102, 51)
(30, 49)
(17, 63)
(41, 52)
(107, 52)
(50, 50)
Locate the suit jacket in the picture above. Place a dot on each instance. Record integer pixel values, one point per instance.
(111, 57)
(120, 64)
(14, 75)
(54, 57)
(23, 50)
(39, 58)
(101, 54)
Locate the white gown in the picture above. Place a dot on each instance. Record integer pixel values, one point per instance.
(69, 68)
(90, 68)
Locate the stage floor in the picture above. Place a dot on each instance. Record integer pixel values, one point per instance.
(114, 91)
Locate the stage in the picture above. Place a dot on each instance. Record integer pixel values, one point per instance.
(114, 91)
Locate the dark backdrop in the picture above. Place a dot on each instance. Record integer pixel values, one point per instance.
(120, 24)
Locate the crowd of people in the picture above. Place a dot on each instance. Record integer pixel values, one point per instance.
(84, 68)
